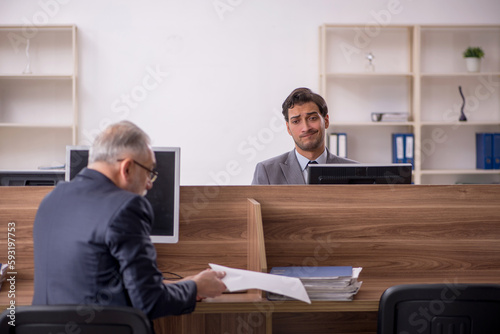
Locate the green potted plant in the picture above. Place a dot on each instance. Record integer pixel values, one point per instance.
(473, 57)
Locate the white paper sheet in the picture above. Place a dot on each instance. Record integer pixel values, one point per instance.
(239, 279)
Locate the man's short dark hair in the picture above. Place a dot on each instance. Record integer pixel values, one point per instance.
(302, 95)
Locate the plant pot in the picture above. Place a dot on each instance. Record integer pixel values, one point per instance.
(473, 64)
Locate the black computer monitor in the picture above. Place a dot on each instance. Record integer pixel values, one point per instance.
(77, 158)
(164, 196)
(360, 173)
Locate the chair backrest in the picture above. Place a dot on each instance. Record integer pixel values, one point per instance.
(440, 308)
(81, 319)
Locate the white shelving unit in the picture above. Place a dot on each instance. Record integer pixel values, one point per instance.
(38, 110)
(417, 69)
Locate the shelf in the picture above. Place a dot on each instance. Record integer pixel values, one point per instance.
(362, 124)
(36, 76)
(447, 44)
(38, 111)
(28, 148)
(460, 171)
(418, 70)
(49, 27)
(457, 123)
(367, 74)
(461, 74)
(456, 27)
(344, 48)
(36, 126)
(52, 50)
(352, 99)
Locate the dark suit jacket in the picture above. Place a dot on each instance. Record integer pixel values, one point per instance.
(92, 246)
(285, 169)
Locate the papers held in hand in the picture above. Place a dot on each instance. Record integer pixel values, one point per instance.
(322, 283)
(239, 279)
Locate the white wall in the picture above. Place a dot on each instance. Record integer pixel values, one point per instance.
(223, 67)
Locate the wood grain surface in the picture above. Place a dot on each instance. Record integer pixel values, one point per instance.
(398, 234)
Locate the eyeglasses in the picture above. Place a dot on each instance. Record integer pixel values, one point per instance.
(153, 175)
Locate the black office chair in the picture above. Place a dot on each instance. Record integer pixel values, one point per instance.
(82, 319)
(440, 309)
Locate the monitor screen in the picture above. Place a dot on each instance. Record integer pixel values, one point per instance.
(77, 158)
(360, 174)
(164, 196)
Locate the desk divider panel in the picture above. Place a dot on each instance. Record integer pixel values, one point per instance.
(256, 245)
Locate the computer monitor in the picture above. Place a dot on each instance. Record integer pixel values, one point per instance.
(164, 196)
(360, 174)
(77, 158)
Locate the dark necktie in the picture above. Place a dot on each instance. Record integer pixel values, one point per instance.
(312, 163)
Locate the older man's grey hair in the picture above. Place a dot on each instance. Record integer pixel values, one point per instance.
(118, 140)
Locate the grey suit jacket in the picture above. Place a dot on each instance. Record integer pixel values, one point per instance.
(285, 169)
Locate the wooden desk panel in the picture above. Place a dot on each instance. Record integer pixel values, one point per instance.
(403, 234)
(19, 205)
(213, 229)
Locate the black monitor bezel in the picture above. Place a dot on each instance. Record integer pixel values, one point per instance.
(399, 173)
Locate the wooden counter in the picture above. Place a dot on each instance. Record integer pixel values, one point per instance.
(398, 234)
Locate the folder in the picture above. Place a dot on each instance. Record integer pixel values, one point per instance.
(484, 150)
(496, 151)
(333, 143)
(309, 272)
(342, 145)
(337, 144)
(398, 147)
(409, 148)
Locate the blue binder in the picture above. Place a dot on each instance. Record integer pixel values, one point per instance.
(484, 150)
(398, 147)
(409, 148)
(496, 151)
(308, 272)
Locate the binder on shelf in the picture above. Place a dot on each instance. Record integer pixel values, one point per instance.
(403, 148)
(398, 147)
(409, 148)
(342, 145)
(496, 151)
(484, 150)
(337, 144)
(333, 143)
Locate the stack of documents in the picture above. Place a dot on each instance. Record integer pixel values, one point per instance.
(322, 283)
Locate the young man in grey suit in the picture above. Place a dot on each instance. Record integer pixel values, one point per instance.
(306, 116)
(91, 235)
